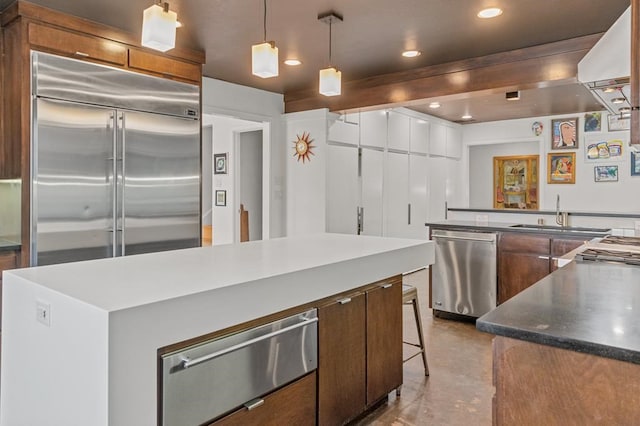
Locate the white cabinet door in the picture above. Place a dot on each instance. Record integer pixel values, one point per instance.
(372, 169)
(437, 139)
(396, 194)
(437, 188)
(345, 132)
(373, 128)
(454, 142)
(399, 131)
(419, 136)
(342, 189)
(418, 175)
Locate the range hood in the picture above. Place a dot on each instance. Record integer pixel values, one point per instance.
(605, 70)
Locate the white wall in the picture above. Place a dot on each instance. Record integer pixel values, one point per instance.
(306, 182)
(241, 102)
(585, 194)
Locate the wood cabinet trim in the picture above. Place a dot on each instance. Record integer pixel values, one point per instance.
(525, 243)
(148, 62)
(77, 45)
(53, 17)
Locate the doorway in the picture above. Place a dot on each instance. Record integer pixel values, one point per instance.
(249, 158)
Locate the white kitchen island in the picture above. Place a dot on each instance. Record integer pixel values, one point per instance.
(95, 362)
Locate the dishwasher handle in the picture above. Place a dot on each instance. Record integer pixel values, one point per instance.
(490, 239)
(187, 363)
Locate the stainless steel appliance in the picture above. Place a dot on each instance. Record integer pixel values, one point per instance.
(618, 249)
(464, 276)
(116, 162)
(202, 382)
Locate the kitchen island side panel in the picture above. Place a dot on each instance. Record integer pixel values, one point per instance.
(55, 374)
(135, 334)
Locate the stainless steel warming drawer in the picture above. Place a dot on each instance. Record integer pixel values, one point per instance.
(204, 381)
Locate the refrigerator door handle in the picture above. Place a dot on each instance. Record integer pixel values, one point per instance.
(114, 192)
(122, 184)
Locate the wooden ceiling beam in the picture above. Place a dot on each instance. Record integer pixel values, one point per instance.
(537, 66)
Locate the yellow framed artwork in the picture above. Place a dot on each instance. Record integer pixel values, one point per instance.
(561, 167)
(515, 182)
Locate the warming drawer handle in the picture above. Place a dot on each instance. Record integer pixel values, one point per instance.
(186, 363)
(254, 403)
(481, 240)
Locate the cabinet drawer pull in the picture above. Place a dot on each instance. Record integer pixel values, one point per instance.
(84, 55)
(254, 403)
(543, 257)
(344, 301)
(386, 285)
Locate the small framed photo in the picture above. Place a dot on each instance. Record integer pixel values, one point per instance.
(593, 122)
(635, 164)
(605, 173)
(564, 133)
(561, 167)
(617, 123)
(220, 164)
(221, 198)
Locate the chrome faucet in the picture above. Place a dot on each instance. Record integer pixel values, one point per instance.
(562, 218)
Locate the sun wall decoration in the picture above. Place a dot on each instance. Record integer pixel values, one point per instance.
(303, 146)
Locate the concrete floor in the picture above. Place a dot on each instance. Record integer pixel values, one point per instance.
(459, 389)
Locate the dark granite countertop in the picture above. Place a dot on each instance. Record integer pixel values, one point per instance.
(546, 212)
(8, 244)
(501, 227)
(590, 307)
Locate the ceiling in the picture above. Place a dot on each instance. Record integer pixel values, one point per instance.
(370, 40)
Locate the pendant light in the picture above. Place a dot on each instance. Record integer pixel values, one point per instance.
(264, 56)
(159, 27)
(330, 78)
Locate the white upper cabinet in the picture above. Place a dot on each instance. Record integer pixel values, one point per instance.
(437, 139)
(454, 142)
(419, 136)
(344, 132)
(399, 131)
(373, 128)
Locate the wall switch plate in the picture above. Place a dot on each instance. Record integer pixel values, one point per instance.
(43, 313)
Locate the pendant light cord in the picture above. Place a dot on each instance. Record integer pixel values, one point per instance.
(330, 22)
(265, 20)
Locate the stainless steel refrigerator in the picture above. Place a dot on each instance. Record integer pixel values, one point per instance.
(115, 162)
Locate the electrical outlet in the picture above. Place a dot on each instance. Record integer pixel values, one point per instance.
(43, 313)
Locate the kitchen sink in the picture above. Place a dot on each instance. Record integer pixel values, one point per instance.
(562, 228)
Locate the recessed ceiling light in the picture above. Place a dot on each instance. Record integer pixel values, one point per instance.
(434, 105)
(293, 62)
(491, 12)
(467, 117)
(513, 96)
(411, 53)
(617, 100)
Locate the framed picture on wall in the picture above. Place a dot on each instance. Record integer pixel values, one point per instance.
(561, 167)
(220, 164)
(605, 173)
(564, 133)
(635, 164)
(221, 198)
(617, 123)
(593, 122)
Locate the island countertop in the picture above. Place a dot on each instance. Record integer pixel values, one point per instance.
(462, 225)
(108, 318)
(589, 307)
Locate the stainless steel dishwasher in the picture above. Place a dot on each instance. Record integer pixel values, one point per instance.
(204, 381)
(464, 278)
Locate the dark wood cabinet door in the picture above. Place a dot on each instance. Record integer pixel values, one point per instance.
(341, 360)
(294, 404)
(384, 340)
(167, 67)
(560, 247)
(518, 271)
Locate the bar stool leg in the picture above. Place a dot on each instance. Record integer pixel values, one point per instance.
(416, 311)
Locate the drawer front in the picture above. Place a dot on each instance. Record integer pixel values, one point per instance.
(294, 404)
(80, 46)
(564, 246)
(521, 242)
(144, 61)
